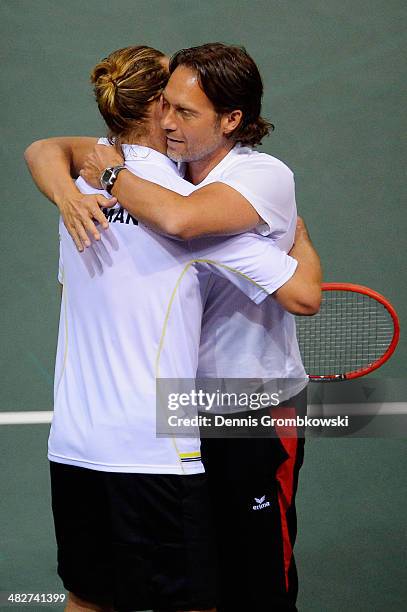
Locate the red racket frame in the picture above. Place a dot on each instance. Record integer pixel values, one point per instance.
(376, 364)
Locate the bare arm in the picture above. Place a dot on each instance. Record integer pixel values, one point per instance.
(53, 163)
(301, 295)
(213, 209)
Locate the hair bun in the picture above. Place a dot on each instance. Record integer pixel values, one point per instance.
(112, 85)
(106, 85)
(125, 82)
(111, 80)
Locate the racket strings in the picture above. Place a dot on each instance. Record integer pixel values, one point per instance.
(350, 332)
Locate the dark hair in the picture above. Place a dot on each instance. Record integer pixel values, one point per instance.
(231, 80)
(125, 83)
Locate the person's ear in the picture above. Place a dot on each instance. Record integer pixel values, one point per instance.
(231, 121)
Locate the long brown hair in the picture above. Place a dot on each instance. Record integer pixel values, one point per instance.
(125, 83)
(231, 80)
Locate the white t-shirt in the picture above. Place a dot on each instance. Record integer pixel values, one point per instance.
(131, 310)
(238, 339)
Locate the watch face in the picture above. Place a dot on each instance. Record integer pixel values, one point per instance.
(106, 175)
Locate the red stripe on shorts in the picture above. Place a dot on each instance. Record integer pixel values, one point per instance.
(285, 478)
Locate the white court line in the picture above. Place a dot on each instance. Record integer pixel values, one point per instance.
(359, 408)
(43, 416)
(25, 418)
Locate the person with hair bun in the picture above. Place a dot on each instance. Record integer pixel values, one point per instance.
(123, 82)
(150, 493)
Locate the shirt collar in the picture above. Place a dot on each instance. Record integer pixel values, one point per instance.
(134, 152)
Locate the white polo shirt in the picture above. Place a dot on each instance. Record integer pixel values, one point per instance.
(238, 339)
(131, 309)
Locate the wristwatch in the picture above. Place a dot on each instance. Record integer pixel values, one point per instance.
(109, 176)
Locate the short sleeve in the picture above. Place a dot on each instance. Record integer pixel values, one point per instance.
(249, 261)
(269, 186)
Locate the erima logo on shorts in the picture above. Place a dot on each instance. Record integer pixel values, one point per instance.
(261, 503)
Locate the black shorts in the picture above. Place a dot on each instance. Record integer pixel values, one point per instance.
(253, 482)
(134, 541)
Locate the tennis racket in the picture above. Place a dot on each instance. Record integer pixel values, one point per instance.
(354, 333)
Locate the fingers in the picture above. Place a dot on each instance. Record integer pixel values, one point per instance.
(105, 202)
(76, 239)
(85, 226)
(92, 214)
(91, 229)
(80, 231)
(77, 236)
(99, 216)
(82, 216)
(81, 234)
(301, 228)
(301, 224)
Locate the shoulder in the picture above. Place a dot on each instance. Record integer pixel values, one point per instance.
(241, 158)
(258, 174)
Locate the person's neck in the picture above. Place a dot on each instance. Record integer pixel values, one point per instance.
(153, 137)
(197, 171)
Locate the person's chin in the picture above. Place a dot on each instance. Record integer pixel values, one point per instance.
(174, 155)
